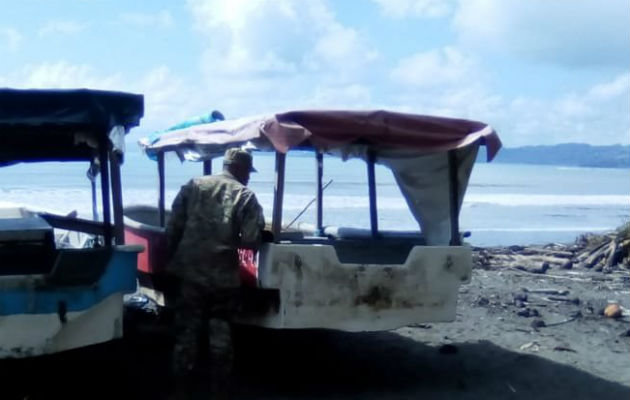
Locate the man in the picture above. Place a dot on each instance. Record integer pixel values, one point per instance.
(212, 216)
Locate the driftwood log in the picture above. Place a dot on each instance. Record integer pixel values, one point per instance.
(604, 253)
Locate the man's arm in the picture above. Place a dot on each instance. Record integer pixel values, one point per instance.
(252, 223)
(177, 222)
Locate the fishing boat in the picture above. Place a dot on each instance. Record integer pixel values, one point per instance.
(335, 277)
(62, 277)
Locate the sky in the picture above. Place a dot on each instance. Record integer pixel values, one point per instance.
(539, 71)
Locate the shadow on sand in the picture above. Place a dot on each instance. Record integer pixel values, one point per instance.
(312, 364)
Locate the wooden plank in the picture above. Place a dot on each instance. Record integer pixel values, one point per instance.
(372, 192)
(161, 183)
(278, 195)
(320, 191)
(454, 197)
(117, 201)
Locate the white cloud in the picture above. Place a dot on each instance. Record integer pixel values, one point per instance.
(168, 99)
(61, 28)
(64, 75)
(615, 89)
(341, 49)
(564, 32)
(262, 55)
(598, 116)
(415, 8)
(446, 82)
(354, 96)
(10, 39)
(447, 66)
(161, 19)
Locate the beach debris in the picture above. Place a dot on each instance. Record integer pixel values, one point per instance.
(520, 300)
(559, 292)
(520, 296)
(613, 311)
(538, 323)
(528, 312)
(602, 252)
(596, 306)
(625, 334)
(573, 300)
(564, 348)
(421, 326)
(482, 301)
(598, 252)
(448, 349)
(531, 346)
(535, 270)
(572, 318)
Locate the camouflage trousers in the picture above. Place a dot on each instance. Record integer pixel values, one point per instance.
(203, 344)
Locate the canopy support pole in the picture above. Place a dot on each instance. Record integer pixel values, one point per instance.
(372, 192)
(92, 173)
(207, 167)
(161, 209)
(278, 194)
(320, 190)
(454, 197)
(117, 202)
(103, 158)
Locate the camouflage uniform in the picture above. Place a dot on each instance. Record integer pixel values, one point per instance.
(211, 217)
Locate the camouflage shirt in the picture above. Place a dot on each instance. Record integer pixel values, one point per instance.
(211, 217)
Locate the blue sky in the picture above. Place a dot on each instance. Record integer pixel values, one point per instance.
(539, 71)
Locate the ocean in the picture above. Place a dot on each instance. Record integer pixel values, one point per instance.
(505, 204)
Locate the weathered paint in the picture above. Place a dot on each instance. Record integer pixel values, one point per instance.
(318, 291)
(37, 318)
(27, 335)
(32, 294)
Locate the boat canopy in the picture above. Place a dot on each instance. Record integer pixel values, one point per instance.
(63, 125)
(325, 130)
(430, 157)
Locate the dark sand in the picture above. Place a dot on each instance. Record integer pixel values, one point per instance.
(489, 352)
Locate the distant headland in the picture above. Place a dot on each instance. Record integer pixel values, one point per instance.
(566, 154)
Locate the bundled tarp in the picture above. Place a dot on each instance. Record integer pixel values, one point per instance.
(214, 116)
(63, 124)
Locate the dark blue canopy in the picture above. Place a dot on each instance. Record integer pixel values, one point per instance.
(60, 125)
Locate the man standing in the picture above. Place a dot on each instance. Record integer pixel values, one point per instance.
(212, 216)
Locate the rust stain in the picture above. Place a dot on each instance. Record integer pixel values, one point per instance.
(377, 297)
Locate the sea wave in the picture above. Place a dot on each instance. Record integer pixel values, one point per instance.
(81, 199)
(548, 199)
(546, 229)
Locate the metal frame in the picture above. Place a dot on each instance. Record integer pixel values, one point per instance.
(161, 209)
(280, 168)
(119, 228)
(207, 167)
(371, 160)
(278, 194)
(103, 155)
(319, 159)
(454, 197)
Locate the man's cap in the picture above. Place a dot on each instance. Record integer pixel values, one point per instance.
(239, 156)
